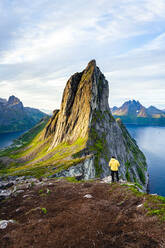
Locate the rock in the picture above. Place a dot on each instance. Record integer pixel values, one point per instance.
(79, 178)
(86, 169)
(26, 196)
(19, 191)
(17, 210)
(40, 183)
(23, 186)
(107, 179)
(88, 196)
(4, 194)
(21, 178)
(44, 179)
(140, 205)
(6, 185)
(4, 223)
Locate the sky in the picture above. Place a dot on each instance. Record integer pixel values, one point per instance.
(44, 42)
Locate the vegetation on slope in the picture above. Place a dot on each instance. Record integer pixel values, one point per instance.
(138, 157)
(30, 155)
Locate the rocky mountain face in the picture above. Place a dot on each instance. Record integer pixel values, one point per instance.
(15, 117)
(133, 112)
(80, 138)
(85, 113)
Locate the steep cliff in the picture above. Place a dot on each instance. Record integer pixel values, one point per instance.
(85, 113)
(81, 137)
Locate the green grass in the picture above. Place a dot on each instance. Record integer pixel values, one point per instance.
(128, 176)
(37, 166)
(138, 185)
(41, 169)
(73, 180)
(98, 143)
(24, 140)
(155, 205)
(134, 189)
(44, 210)
(138, 156)
(141, 175)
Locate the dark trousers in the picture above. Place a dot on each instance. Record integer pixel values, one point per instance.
(116, 174)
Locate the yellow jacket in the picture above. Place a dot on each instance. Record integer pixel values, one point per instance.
(114, 164)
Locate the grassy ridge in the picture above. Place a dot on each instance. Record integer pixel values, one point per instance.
(30, 154)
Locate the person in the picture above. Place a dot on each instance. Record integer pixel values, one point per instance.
(114, 165)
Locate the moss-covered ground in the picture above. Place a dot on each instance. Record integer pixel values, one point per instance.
(154, 205)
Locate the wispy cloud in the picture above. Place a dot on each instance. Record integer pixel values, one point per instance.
(44, 42)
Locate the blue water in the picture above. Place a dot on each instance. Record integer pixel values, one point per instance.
(151, 140)
(6, 139)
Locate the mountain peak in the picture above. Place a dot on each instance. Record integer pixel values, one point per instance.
(92, 63)
(15, 117)
(85, 119)
(13, 100)
(131, 110)
(154, 111)
(86, 91)
(132, 102)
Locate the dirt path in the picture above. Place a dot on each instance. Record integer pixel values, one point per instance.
(57, 215)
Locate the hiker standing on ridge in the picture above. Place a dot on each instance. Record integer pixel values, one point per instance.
(114, 164)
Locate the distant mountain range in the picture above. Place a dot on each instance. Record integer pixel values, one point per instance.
(133, 112)
(15, 117)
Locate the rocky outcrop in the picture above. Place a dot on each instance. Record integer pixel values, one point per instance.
(16, 117)
(14, 101)
(51, 126)
(74, 115)
(85, 170)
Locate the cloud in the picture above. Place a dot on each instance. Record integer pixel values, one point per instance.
(44, 42)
